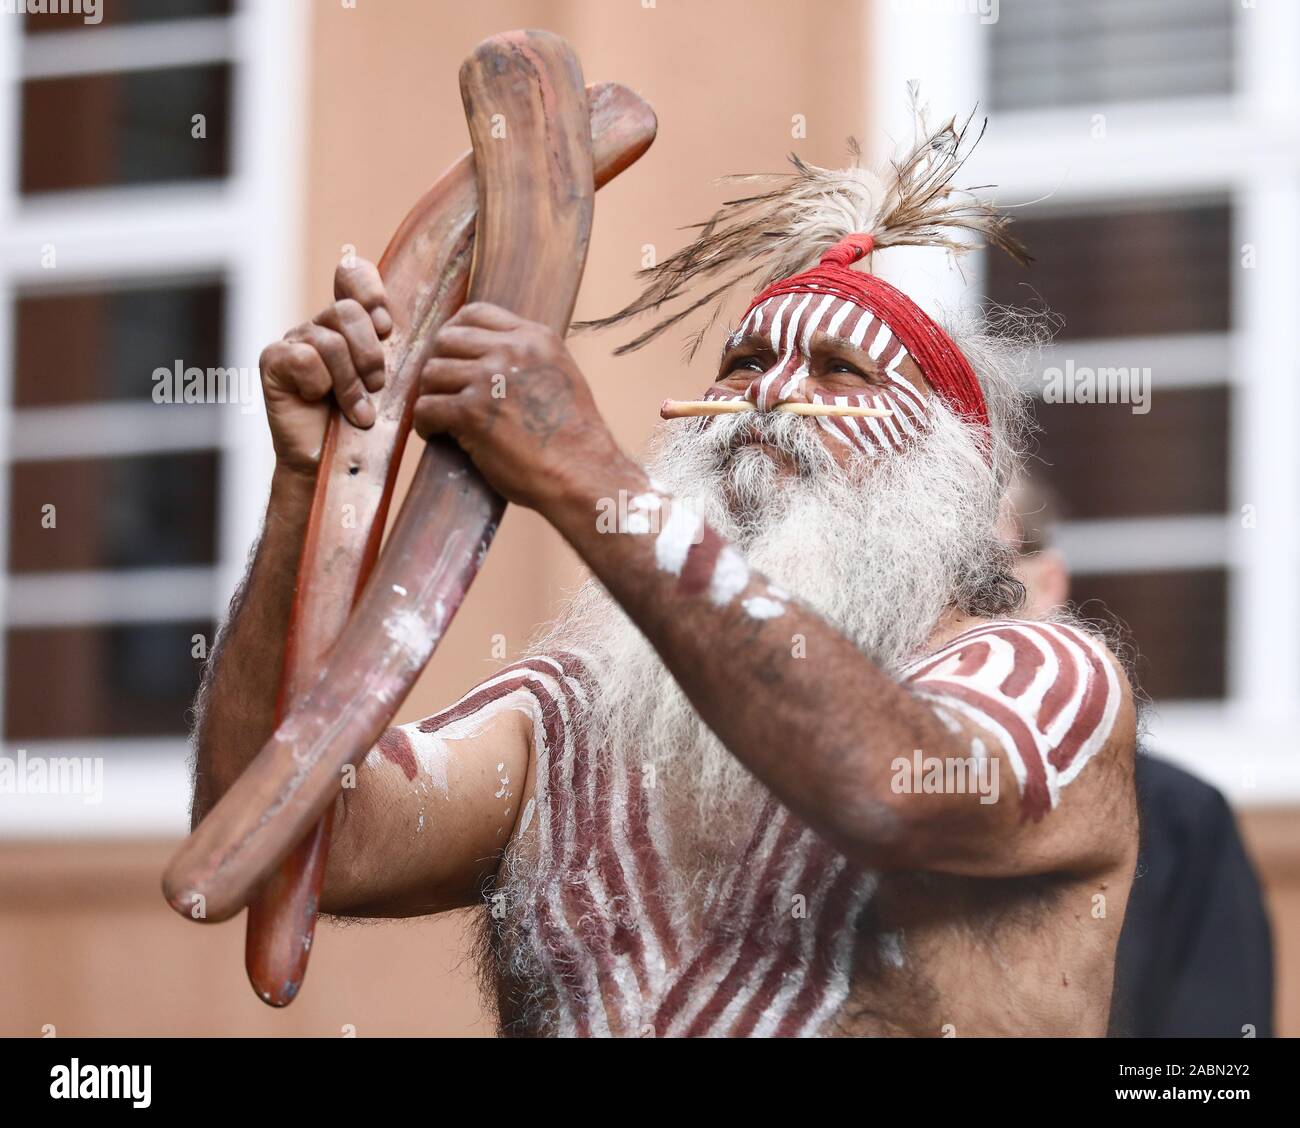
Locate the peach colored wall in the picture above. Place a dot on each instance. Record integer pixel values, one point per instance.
(90, 948)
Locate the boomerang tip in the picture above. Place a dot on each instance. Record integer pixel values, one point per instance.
(196, 900)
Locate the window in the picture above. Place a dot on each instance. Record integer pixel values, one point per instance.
(1129, 282)
(148, 236)
(1154, 146)
(1063, 53)
(129, 127)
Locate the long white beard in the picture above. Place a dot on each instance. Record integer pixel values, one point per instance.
(879, 548)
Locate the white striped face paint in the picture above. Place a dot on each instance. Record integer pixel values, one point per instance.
(782, 331)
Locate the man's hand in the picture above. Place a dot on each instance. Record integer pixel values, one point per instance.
(510, 394)
(337, 351)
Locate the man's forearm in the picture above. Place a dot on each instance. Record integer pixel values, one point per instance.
(766, 674)
(236, 704)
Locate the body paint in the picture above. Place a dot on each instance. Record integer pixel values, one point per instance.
(620, 943)
(711, 565)
(1046, 692)
(760, 607)
(700, 559)
(683, 529)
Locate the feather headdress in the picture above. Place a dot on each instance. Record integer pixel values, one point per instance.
(776, 234)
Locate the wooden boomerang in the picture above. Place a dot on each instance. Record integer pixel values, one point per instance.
(359, 469)
(534, 204)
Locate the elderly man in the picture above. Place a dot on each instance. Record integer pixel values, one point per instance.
(789, 764)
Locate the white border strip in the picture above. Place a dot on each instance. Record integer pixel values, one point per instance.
(146, 791)
(165, 44)
(144, 595)
(104, 430)
(1146, 544)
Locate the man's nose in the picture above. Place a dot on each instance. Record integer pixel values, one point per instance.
(777, 386)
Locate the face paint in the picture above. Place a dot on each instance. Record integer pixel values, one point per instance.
(788, 322)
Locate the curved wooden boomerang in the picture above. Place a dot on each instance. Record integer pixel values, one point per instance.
(534, 192)
(359, 469)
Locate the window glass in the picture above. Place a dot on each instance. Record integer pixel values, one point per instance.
(1061, 52)
(110, 13)
(1176, 627)
(105, 344)
(1107, 462)
(143, 511)
(1138, 272)
(129, 127)
(78, 683)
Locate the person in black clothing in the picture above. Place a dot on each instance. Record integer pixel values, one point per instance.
(1195, 953)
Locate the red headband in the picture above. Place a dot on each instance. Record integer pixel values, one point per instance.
(941, 362)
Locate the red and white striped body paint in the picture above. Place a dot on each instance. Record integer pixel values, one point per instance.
(1046, 692)
(619, 939)
(788, 322)
(625, 945)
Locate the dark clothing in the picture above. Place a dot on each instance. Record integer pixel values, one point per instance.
(1195, 955)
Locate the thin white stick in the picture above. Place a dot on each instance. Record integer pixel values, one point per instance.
(685, 409)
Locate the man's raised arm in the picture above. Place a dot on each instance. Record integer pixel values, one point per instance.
(338, 352)
(435, 801)
(235, 709)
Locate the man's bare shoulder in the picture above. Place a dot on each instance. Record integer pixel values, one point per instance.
(538, 684)
(1052, 693)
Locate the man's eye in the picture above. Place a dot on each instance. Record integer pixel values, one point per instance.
(845, 366)
(746, 364)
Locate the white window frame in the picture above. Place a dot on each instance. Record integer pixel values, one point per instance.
(246, 229)
(1244, 148)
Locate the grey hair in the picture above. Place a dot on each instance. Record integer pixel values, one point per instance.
(1003, 345)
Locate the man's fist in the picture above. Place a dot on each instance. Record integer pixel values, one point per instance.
(337, 352)
(510, 394)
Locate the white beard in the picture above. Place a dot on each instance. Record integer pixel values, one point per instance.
(879, 548)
